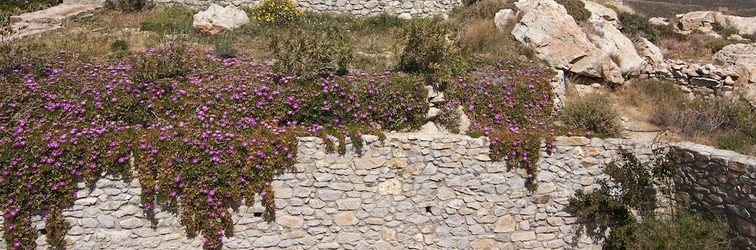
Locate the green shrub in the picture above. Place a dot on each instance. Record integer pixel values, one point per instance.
(128, 5)
(717, 44)
(724, 32)
(683, 231)
(282, 12)
(576, 9)
(382, 22)
(172, 20)
(450, 118)
(432, 51)
(224, 48)
(635, 25)
(119, 45)
(594, 113)
(303, 52)
(485, 9)
(735, 141)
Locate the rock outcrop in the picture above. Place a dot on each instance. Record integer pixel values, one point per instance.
(216, 19)
(705, 20)
(556, 38)
(608, 38)
(743, 55)
(504, 18)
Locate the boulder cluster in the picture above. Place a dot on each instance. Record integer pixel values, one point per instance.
(597, 49)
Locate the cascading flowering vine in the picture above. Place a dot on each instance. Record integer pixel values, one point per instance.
(201, 133)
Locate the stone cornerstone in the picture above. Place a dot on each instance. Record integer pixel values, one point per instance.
(413, 191)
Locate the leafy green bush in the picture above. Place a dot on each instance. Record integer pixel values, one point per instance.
(173, 20)
(576, 9)
(128, 5)
(735, 141)
(281, 12)
(303, 52)
(594, 113)
(450, 119)
(684, 230)
(432, 51)
(119, 45)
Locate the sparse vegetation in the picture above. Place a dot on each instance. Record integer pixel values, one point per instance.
(594, 113)
(633, 188)
(721, 121)
(634, 25)
(576, 9)
(128, 5)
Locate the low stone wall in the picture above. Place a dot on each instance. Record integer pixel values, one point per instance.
(405, 8)
(721, 181)
(702, 79)
(414, 191)
(409, 191)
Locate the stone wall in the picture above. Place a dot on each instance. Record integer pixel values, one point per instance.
(721, 181)
(702, 79)
(410, 191)
(404, 8)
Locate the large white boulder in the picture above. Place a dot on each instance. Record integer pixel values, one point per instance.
(650, 52)
(217, 18)
(556, 38)
(700, 20)
(739, 55)
(605, 35)
(744, 25)
(704, 20)
(504, 18)
(601, 13)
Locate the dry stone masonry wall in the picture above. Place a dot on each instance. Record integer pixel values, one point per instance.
(721, 181)
(404, 8)
(410, 191)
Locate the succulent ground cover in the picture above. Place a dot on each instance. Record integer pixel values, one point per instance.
(201, 132)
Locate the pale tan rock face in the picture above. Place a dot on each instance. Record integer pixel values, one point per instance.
(546, 27)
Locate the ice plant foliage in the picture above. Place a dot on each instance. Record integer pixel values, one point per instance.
(199, 132)
(512, 105)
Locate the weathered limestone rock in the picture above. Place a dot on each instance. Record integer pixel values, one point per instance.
(216, 19)
(700, 20)
(650, 52)
(619, 48)
(601, 13)
(548, 29)
(504, 18)
(739, 55)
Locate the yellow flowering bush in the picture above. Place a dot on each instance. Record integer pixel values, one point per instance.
(276, 11)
